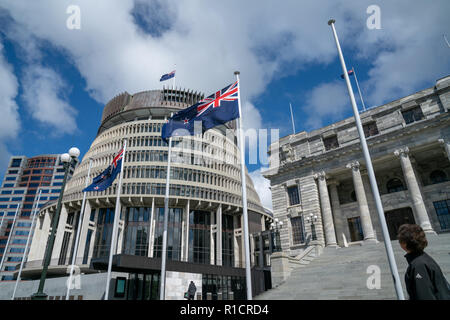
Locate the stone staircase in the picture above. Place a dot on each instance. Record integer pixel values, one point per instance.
(341, 274)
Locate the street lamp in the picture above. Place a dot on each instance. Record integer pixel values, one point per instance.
(311, 219)
(276, 227)
(67, 159)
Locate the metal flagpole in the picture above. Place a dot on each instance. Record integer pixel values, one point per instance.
(28, 243)
(370, 171)
(166, 222)
(359, 90)
(248, 275)
(174, 76)
(292, 118)
(80, 223)
(9, 237)
(112, 247)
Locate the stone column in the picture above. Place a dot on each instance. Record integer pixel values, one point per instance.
(446, 145)
(219, 236)
(419, 209)
(150, 230)
(327, 216)
(60, 231)
(366, 221)
(336, 208)
(186, 248)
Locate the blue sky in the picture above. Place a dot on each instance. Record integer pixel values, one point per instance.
(55, 80)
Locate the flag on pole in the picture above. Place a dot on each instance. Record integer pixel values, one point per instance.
(349, 72)
(167, 76)
(107, 177)
(217, 109)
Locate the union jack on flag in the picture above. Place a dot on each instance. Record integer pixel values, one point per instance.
(218, 108)
(230, 94)
(107, 177)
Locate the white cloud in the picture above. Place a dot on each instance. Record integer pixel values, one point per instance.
(262, 187)
(9, 120)
(326, 101)
(44, 95)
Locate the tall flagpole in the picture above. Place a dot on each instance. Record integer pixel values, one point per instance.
(248, 274)
(162, 291)
(370, 171)
(174, 76)
(359, 90)
(292, 118)
(112, 247)
(28, 243)
(80, 223)
(9, 237)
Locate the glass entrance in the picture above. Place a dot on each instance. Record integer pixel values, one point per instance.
(143, 286)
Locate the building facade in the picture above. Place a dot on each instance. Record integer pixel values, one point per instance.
(321, 190)
(205, 235)
(23, 180)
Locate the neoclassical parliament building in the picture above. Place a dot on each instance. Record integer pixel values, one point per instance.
(320, 187)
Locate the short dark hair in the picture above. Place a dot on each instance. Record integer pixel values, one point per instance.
(413, 236)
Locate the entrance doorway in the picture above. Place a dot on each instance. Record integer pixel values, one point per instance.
(395, 218)
(355, 228)
(143, 286)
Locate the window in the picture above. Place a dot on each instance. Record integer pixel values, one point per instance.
(370, 129)
(412, 115)
(19, 191)
(135, 240)
(294, 197)
(298, 235)
(227, 241)
(331, 143)
(8, 185)
(16, 163)
(199, 236)
(13, 171)
(10, 178)
(17, 250)
(438, 176)
(353, 196)
(87, 246)
(443, 213)
(355, 228)
(173, 233)
(14, 259)
(395, 185)
(6, 191)
(119, 291)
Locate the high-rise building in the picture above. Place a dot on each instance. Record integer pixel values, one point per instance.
(205, 235)
(23, 180)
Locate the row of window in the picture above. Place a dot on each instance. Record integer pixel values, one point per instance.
(371, 129)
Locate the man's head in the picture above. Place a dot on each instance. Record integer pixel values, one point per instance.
(412, 238)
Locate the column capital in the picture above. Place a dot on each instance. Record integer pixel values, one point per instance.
(441, 141)
(354, 165)
(402, 152)
(320, 175)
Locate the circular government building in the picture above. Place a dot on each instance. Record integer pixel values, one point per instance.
(205, 241)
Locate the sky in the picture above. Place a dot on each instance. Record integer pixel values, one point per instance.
(58, 69)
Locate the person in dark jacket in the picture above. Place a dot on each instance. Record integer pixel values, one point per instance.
(424, 278)
(191, 291)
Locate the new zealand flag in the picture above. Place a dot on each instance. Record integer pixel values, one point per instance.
(107, 177)
(217, 109)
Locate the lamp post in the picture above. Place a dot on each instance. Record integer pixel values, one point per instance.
(68, 159)
(311, 219)
(276, 227)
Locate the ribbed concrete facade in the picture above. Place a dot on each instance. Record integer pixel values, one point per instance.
(205, 178)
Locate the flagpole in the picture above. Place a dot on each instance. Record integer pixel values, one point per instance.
(28, 243)
(166, 222)
(359, 90)
(9, 238)
(80, 223)
(112, 248)
(292, 118)
(174, 76)
(244, 196)
(371, 173)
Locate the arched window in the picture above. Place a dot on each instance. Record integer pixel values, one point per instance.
(394, 185)
(438, 176)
